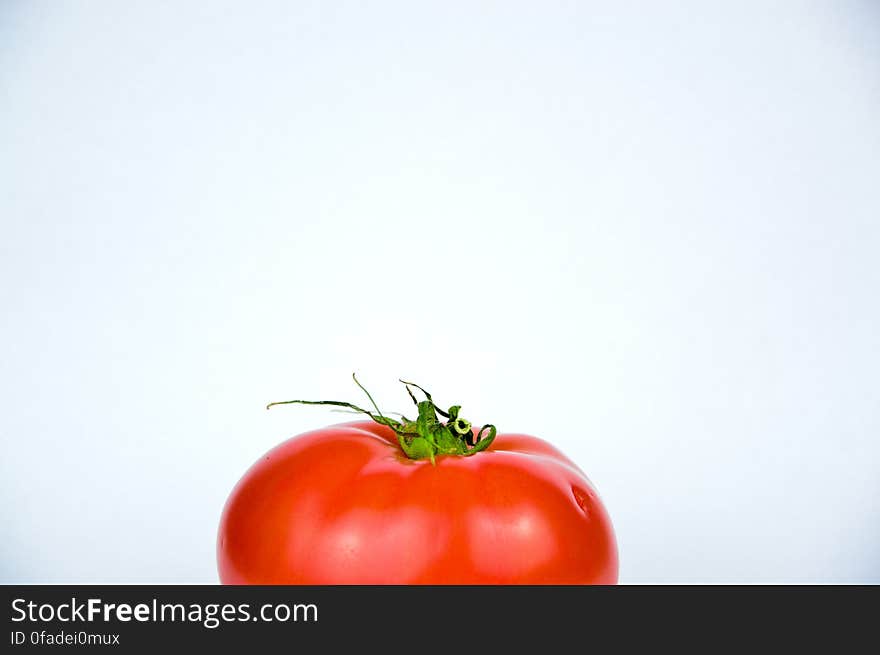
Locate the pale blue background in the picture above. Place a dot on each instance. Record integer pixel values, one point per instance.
(647, 232)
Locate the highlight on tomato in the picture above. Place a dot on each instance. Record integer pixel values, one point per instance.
(431, 500)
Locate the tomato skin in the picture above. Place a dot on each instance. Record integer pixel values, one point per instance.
(344, 505)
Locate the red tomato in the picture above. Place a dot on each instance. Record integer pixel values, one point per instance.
(344, 505)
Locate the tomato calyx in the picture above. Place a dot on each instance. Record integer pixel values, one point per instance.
(427, 436)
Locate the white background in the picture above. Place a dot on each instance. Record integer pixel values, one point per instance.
(647, 232)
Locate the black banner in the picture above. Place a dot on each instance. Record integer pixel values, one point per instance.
(153, 618)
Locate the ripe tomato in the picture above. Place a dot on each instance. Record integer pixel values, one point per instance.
(346, 505)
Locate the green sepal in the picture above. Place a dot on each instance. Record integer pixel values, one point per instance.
(448, 443)
(483, 443)
(418, 448)
(427, 436)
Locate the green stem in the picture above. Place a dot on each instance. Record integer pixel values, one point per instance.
(427, 437)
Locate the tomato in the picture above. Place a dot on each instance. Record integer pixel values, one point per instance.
(415, 502)
(344, 505)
